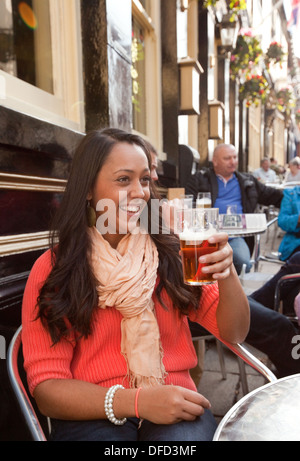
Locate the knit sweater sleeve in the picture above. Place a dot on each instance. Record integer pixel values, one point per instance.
(42, 360)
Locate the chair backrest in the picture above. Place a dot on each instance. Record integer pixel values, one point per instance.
(19, 390)
(240, 350)
(284, 279)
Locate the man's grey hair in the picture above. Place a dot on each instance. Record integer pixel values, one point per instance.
(265, 159)
(295, 161)
(221, 147)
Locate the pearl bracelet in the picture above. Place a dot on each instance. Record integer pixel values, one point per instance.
(108, 405)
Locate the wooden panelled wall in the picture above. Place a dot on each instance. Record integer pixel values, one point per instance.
(35, 159)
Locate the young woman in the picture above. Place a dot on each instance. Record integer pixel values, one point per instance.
(105, 334)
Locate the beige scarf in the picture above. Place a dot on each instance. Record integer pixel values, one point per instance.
(127, 277)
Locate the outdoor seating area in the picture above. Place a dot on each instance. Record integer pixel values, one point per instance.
(150, 220)
(224, 394)
(231, 377)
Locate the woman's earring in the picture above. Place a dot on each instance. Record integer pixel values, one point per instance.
(90, 215)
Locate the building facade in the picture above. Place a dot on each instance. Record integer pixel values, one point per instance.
(156, 67)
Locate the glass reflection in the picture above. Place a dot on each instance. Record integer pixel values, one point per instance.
(25, 41)
(24, 212)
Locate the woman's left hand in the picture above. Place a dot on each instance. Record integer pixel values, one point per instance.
(220, 262)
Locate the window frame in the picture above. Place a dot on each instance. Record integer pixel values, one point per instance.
(65, 107)
(150, 20)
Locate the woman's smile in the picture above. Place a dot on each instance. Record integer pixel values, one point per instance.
(124, 181)
(131, 209)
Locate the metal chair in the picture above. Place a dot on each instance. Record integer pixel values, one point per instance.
(31, 419)
(257, 257)
(208, 336)
(243, 356)
(30, 416)
(242, 352)
(289, 278)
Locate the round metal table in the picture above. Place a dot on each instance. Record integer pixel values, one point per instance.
(256, 224)
(269, 413)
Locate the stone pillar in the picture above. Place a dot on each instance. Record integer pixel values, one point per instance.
(243, 137)
(170, 80)
(106, 45)
(206, 49)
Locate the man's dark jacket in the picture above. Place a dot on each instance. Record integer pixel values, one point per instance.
(253, 192)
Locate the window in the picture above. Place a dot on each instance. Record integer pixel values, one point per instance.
(146, 70)
(26, 42)
(40, 59)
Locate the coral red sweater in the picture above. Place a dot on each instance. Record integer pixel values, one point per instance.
(98, 359)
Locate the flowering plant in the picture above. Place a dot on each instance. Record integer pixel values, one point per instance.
(275, 54)
(137, 54)
(208, 3)
(254, 89)
(233, 5)
(246, 54)
(297, 115)
(285, 100)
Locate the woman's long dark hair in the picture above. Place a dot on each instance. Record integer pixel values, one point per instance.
(68, 297)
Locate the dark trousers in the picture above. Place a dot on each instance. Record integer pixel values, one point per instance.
(272, 333)
(202, 429)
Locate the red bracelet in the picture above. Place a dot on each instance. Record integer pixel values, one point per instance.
(136, 402)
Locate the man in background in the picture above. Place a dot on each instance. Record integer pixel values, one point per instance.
(230, 187)
(270, 331)
(265, 174)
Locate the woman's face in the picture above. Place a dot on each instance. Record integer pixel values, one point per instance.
(121, 191)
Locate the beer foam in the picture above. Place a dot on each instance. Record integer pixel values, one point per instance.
(205, 200)
(197, 236)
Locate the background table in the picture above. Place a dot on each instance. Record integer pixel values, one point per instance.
(269, 413)
(253, 224)
(283, 185)
(256, 224)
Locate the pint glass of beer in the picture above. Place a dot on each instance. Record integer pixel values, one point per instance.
(203, 200)
(195, 227)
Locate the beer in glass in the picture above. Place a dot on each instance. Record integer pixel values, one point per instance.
(203, 200)
(197, 225)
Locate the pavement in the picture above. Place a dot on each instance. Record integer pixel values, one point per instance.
(224, 393)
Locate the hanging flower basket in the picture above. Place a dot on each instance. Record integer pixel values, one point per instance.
(254, 89)
(274, 55)
(285, 100)
(234, 6)
(208, 3)
(246, 54)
